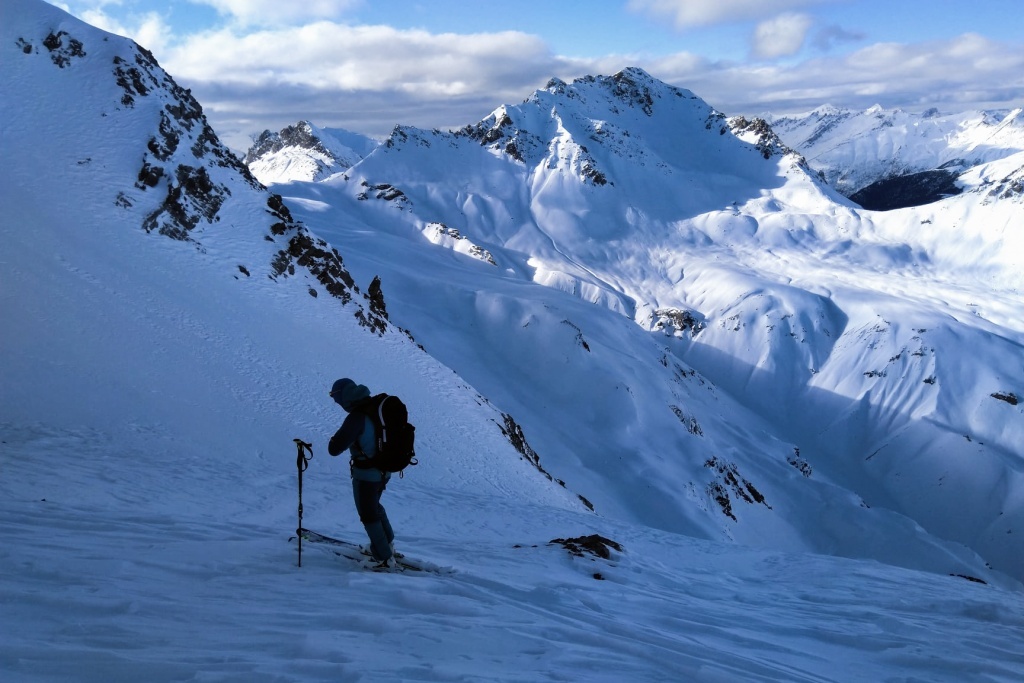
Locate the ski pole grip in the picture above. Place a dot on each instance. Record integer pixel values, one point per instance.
(305, 453)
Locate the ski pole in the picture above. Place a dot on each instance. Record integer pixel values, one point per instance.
(305, 452)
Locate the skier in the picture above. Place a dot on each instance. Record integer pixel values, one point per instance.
(368, 483)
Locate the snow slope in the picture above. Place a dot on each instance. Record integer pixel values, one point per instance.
(162, 347)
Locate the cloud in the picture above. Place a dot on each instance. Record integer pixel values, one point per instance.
(782, 36)
(149, 30)
(277, 12)
(329, 56)
(366, 78)
(371, 78)
(829, 37)
(693, 13)
(966, 72)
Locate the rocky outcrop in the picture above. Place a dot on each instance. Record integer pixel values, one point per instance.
(767, 142)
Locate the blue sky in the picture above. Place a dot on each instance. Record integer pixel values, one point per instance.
(369, 65)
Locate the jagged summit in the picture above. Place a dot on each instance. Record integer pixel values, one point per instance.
(808, 416)
(299, 135)
(305, 152)
(632, 87)
(629, 131)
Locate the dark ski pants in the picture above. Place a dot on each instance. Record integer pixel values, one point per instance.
(373, 516)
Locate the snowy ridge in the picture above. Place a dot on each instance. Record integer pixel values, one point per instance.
(168, 332)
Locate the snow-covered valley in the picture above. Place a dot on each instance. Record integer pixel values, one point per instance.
(798, 419)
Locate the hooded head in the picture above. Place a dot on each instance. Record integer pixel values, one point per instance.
(345, 393)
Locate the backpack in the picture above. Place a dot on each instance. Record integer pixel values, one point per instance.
(395, 436)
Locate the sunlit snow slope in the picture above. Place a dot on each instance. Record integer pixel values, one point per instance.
(880, 348)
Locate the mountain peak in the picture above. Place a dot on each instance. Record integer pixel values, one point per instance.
(631, 86)
(299, 135)
(305, 152)
(628, 130)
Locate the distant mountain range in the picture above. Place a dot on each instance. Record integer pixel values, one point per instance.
(881, 159)
(886, 159)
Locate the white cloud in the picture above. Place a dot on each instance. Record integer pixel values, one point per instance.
(366, 78)
(966, 72)
(325, 55)
(149, 29)
(691, 13)
(782, 36)
(271, 12)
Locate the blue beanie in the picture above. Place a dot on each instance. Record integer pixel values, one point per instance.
(345, 392)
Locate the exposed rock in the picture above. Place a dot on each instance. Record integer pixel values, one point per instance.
(580, 341)
(441, 234)
(1009, 397)
(194, 197)
(730, 481)
(313, 254)
(299, 135)
(63, 48)
(691, 424)
(384, 191)
(514, 433)
(972, 579)
(594, 544)
(765, 139)
(799, 463)
(677, 321)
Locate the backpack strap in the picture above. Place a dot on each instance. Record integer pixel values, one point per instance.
(370, 408)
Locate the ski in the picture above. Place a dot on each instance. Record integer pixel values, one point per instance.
(353, 551)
